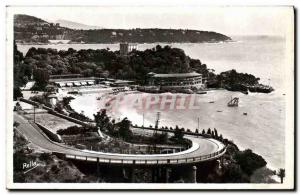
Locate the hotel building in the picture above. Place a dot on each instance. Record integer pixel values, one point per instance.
(191, 80)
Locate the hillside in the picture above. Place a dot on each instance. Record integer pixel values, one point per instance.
(76, 25)
(151, 36)
(22, 19)
(29, 29)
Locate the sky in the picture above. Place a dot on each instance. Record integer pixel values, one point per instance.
(227, 20)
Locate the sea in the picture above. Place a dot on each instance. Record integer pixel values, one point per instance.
(262, 129)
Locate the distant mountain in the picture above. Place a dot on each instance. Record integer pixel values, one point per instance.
(76, 25)
(29, 29)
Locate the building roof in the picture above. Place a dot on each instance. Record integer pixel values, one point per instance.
(191, 74)
(73, 79)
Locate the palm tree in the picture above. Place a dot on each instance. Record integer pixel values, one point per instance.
(281, 174)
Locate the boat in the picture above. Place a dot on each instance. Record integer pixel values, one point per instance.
(245, 113)
(211, 102)
(234, 102)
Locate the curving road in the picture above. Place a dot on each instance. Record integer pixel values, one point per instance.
(202, 149)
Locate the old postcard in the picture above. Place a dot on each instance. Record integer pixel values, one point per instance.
(145, 97)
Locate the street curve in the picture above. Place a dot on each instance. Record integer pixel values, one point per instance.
(202, 149)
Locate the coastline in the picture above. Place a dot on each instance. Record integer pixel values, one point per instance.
(112, 43)
(136, 117)
(264, 171)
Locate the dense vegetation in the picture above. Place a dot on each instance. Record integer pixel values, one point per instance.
(119, 130)
(152, 35)
(105, 63)
(110, 64)
(244, 166)
(32, 29)
(249, 161)
(21, 73)
(74, 130)
(123, 130)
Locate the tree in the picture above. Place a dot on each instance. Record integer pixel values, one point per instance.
(281, 174)
(66, 100)
(221, 137)
(59, 108)
(208, 131)
(216, 132)
(179, 133)
(124, 128)
(101, 119)
(197, 131)
(234, 174)
(213, 134)
(160, 138)
(41, 78)
(203, 132)
(249, 161)
(17, 93)
(87, 72)
(25, 80)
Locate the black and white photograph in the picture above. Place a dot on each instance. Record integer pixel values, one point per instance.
(150, 97)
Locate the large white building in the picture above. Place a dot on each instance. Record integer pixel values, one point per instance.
(191, 80)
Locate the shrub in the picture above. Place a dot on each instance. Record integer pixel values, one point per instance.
(249, 161)
(74, 130)
(17, 93)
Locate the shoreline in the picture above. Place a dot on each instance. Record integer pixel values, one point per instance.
(139, 115)
(111, 43)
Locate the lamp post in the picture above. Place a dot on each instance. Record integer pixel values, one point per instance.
(33, 113)
(34, 106)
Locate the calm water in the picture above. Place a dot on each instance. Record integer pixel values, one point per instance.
(262, 129)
